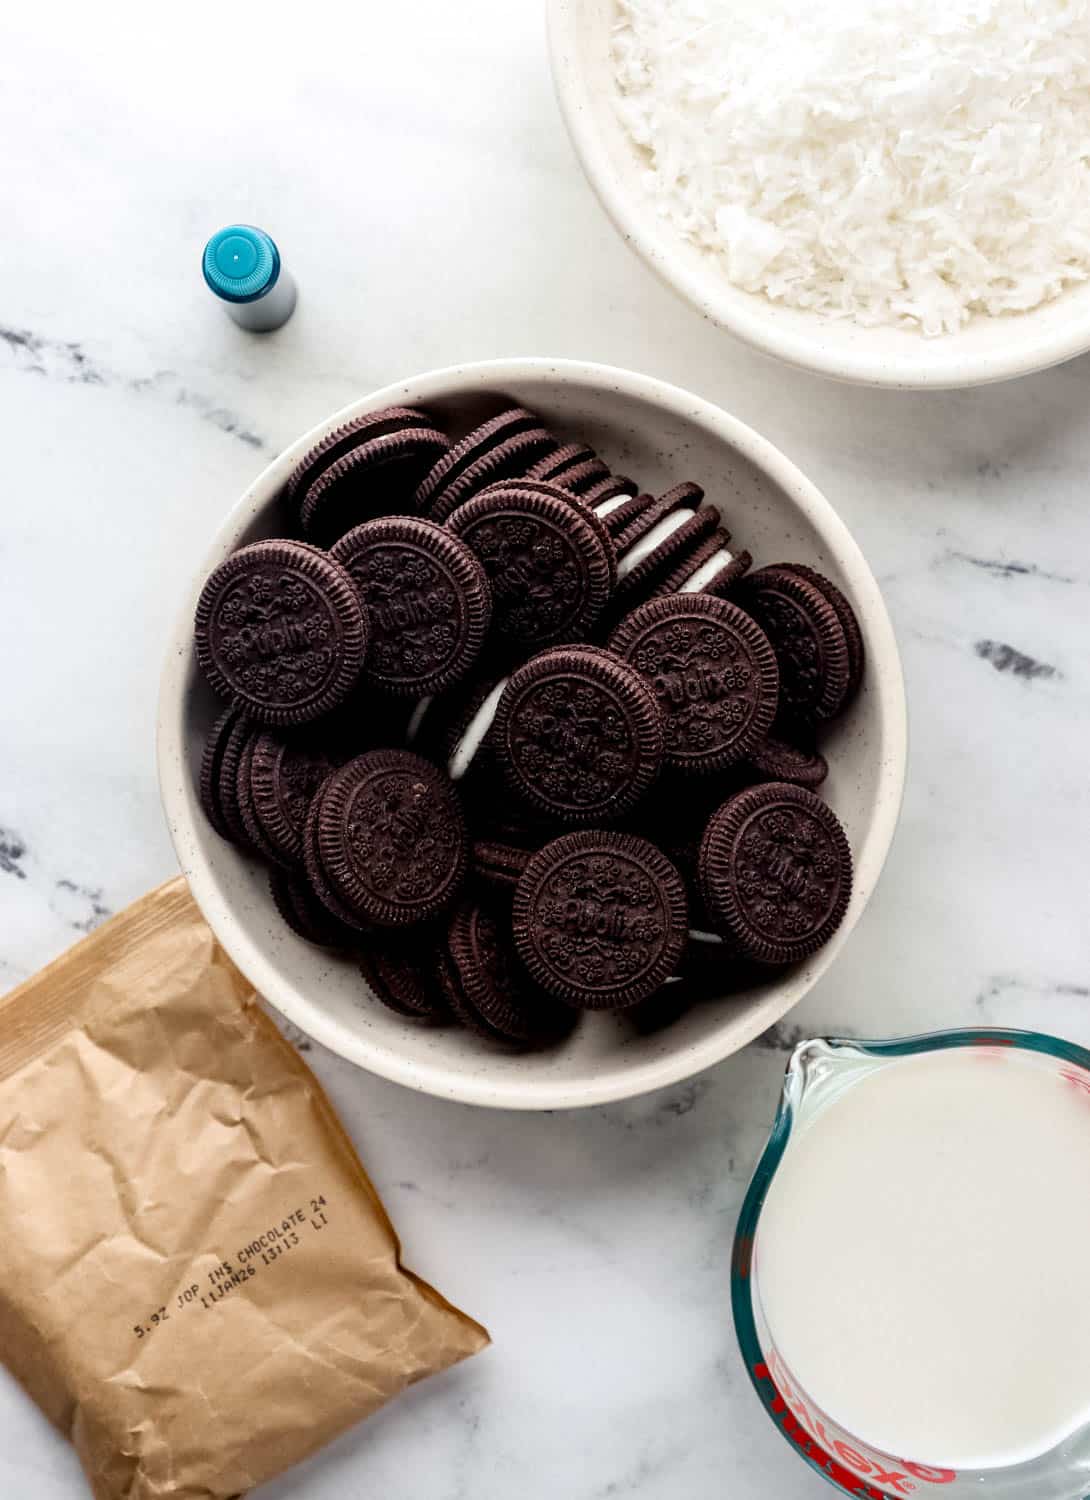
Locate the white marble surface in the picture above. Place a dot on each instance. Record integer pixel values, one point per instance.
(411, 162)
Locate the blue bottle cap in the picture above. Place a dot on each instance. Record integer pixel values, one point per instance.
(241, 263)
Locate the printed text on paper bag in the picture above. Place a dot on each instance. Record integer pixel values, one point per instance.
(249, 1260)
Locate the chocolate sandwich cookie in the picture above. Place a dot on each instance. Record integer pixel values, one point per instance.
(675, 817)
(608, 494)
(450, 988)
(304, 913)
(662, 1009)
(675, 813)
(317, 878)
(550, 564)
(211, 762)
(283, 777)
(281, 630)
(226, 794)
(507, 460)
(719, 574)
(456, 734)
(366, 720)
(600, 919)
(486, 986)
(620, 515)
(555, 492)
(427, 600)
(580, 478)
(640, 569)
(402, 976)
(713, 962)
(391, 838)
(376, 478)
(776, 872)
(498, 863)
(655, 541)
(566, 456)
(469, 450)
(671, 582)
(508, 820)
(335, 444)
(453, 731)
(453, 728)
(849, 623)
(255, 833)
(687, 497)
(714, 674)
(807, 637)
(710, 568)
(578, 735)
(774, 759)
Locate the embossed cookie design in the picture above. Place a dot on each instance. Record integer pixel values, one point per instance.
(776, 872)
(427, 600)
(486, 986)
(284, 776)
(807, 637)
(391, 837)
(280, 629)
(579, 734)
(550, 564)
(713, 672)
(600, 919)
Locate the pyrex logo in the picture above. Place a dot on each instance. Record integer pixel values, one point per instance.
(855, 1472)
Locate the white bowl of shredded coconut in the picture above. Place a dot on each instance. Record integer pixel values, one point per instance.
(895, 192)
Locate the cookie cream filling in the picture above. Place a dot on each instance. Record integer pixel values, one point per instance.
(475, 731)
(654, 538)
(607, 507)
(695, 936)
(412, 729)
(707, 571)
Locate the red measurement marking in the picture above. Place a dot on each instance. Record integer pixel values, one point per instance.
(743, 1256)
(855, 1472)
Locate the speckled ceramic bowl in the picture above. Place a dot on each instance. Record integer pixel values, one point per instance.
(988, 349)
(660, 434)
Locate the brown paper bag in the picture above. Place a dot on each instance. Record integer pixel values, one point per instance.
(198, 1283)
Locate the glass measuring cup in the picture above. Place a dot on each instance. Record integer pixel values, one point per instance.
(819, 1072)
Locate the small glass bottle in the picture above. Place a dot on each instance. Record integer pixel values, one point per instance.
(242, 267)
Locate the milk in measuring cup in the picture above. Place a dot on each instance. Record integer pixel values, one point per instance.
(922, 1259)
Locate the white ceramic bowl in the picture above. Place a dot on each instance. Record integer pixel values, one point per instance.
(661, 435)
(989, 349)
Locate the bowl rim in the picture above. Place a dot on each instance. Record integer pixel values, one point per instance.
(1033, 351)
(436, 1077)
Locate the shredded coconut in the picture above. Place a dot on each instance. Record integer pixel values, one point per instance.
(908, 162)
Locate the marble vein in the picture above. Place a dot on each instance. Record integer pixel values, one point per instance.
(686, 1099)
(998, 986)
(636, 1477)
(81, 906)
(1001, 568)
(1006, 658)
(66, 360)
(12, 854)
